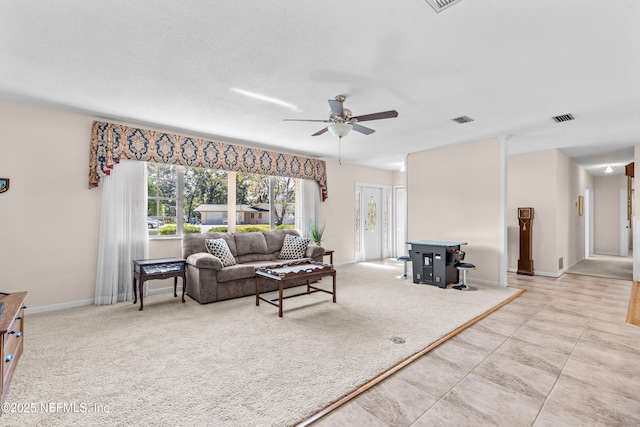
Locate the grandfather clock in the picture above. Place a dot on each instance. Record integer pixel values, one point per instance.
(525, 219)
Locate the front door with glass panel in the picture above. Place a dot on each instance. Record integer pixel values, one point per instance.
(372, 223)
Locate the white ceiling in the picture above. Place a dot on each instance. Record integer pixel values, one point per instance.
(509, 64)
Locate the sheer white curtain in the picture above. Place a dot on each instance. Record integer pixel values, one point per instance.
(123, 231)
(310, 204)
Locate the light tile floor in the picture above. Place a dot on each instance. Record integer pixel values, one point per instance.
(559, 355)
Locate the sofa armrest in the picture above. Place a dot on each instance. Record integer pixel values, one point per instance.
(205, 260)
(314, 251)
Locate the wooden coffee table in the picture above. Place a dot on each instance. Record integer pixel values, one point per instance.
(283, 274)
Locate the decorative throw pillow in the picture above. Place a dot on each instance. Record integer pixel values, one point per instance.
(294, 247)
(219, 249)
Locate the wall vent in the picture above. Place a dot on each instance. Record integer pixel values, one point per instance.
(563, 118)
(463, 119)
(560, 263)
(440, 5)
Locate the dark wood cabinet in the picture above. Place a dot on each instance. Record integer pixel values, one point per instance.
(12, 337)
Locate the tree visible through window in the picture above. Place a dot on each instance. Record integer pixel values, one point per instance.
(252, 192)
(199, 196)
(161, 204)
(203, 186)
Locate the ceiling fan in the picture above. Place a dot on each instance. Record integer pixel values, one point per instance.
(342, 120)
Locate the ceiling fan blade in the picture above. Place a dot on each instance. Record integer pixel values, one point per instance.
(362, 129)
(320, 132)
(304, 120)
(377, 116)
(336, 108)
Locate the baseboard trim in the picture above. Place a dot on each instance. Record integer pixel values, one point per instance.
(540, 273)
(74, 304)
(485, 282)
(56, 307)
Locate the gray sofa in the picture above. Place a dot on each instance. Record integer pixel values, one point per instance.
(209, 281)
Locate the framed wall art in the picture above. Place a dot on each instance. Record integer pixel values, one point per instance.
(4, 185)
(580, 205)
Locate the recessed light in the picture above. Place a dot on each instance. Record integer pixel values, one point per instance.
(609, 169)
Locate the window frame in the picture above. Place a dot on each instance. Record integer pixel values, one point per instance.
(231, 177)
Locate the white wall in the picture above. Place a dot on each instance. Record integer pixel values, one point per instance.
(338, 211)
(454, 194)
(49, 217)
(607, 213)
(532, 183)
(571, 183)
(549, 182)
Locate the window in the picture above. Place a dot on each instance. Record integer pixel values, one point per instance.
(205, 197)
(273, 196)
(161, 202)
(199, 196)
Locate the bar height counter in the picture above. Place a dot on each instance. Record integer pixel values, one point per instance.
(433, 261)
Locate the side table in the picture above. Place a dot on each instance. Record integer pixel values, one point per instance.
(329, 252)
(161, 268)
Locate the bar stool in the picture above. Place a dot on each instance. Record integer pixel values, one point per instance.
(406, 259)
(464, 267)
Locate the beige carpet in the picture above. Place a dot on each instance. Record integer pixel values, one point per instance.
(229, 363)
(612, 267)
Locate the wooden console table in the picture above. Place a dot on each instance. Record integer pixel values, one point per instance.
(161, 268)
(11, 337)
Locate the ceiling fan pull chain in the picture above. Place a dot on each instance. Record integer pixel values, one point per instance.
(340, 151)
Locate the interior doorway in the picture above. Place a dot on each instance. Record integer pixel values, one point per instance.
(399, 220)
(588, 223)
(625, 240)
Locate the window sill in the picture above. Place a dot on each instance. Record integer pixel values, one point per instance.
(165, 237)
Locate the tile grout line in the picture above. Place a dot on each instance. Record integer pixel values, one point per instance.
(559, 375)
(475, 367)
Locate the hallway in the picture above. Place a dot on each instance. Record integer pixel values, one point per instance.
(613, 267)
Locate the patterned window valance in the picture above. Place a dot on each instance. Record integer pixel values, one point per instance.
(111, 142)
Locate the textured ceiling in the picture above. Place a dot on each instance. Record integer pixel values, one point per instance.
(189, 67)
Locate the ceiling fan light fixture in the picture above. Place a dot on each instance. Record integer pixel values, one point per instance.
(340, 129)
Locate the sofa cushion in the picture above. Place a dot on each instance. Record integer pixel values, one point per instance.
(275, 238)
(219, 249)
(193, 243)
(236, 272)
(250, 243)
(294, 247)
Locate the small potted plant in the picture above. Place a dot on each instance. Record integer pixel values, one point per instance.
(315, 232)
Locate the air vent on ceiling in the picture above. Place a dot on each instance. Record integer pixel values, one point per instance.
(440, 5)
(463, 119)
(563, 118)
